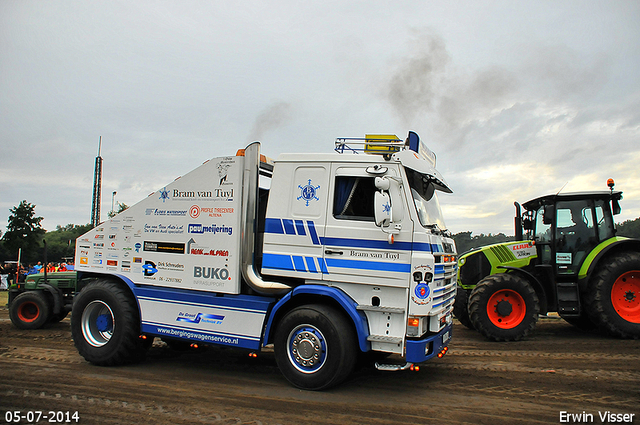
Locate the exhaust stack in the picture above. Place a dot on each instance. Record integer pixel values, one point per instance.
(249, 214)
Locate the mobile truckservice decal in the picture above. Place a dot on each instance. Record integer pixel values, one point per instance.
(421, 293)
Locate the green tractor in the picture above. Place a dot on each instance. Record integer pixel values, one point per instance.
(570, 262)
(41, 299)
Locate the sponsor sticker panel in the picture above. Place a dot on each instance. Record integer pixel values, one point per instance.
(185, 235)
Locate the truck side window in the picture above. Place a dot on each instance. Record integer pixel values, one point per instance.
(353, 198)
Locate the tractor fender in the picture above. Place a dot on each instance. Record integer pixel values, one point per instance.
(609, 247)
(305, 294)
(535, 283)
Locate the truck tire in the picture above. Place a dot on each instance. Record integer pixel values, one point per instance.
(30, 310)
(461, 308)
(504, 307)
(614, 296)
(315, 347)
(105, 325)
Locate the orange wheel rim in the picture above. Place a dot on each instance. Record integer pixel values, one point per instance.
(625, 296)
(506, 309)
(28, 312)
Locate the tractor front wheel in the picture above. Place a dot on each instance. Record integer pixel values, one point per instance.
(504, 307)
(614, 296)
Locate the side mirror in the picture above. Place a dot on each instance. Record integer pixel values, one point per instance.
(392, 187)
(381, 208)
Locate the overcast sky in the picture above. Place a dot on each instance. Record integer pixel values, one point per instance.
(517, 98)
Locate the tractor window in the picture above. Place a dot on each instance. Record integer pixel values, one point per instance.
(543, 237)
(575, 234)
(605, 222)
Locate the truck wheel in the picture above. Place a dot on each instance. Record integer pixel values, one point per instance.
(504, 307)
(461, 308)
(105, 325)
(614, 296)
(29, 310)
(315, 347)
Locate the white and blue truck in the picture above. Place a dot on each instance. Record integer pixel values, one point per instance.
(326, 257)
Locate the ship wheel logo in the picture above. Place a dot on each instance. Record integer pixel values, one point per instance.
(308, 192)
(164, 194)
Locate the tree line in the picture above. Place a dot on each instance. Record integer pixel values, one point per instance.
(24, 231)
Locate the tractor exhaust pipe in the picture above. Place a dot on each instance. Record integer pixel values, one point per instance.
(518, 222)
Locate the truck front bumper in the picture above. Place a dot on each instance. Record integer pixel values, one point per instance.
(421, 350)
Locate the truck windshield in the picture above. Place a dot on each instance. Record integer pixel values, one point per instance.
(425, 199)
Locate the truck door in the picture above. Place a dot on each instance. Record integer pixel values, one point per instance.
(355, 249)
(294, 225)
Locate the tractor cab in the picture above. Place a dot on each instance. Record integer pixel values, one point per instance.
(567, 227)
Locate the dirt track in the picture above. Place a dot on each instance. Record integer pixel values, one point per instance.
(558, 369)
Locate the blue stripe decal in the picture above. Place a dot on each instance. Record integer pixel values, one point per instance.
(312, 232)
(311, 264)
(300, 228)
(368, 265)
(277, 261)
(323, 265)
(273, 225)
(298, 264)
(288, 226)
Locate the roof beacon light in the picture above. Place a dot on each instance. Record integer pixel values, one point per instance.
(611, 183)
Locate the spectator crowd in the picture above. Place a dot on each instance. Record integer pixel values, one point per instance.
(9, 271)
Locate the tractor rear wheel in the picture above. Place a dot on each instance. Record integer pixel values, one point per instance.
(614, 296)
(461, 308)
(30, 310)
(504, 307)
